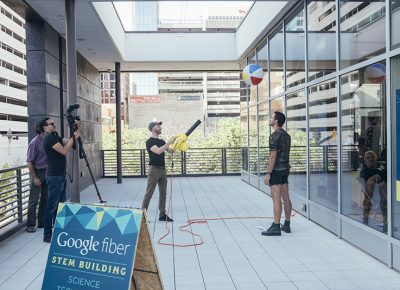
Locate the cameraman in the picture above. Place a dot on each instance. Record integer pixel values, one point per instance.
(56, 148)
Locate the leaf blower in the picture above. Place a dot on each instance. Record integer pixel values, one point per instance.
(180, 143)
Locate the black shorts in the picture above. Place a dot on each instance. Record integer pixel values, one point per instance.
(279, 177)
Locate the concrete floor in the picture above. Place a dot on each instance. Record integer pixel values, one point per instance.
(234, 254)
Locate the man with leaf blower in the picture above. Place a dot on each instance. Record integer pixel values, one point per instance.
(157, 173)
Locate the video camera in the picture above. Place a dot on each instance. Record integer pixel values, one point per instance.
(73, 125)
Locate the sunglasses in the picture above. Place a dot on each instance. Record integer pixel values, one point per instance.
(52, 124)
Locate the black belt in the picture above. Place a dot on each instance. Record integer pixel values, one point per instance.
(157, 166)
(36, 169)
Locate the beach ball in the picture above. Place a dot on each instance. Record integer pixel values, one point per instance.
(252, 74)
(375, 73)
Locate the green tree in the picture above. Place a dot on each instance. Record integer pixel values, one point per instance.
(227, 134)
(7, 188)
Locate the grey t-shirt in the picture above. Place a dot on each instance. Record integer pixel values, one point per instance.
(280, 141)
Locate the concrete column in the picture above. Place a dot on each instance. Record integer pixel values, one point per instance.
(118, 119)
(72, 91)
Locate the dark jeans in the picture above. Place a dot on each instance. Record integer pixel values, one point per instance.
(34, 194)
(56, 193)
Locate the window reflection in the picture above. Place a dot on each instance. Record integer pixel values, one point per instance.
(244, 134)
(243, 88)
(395, 24)
(321, 38)
(364, 174)
(276, 63)
(253, 157)
(253, 89)
(295, 47)
(323, 144)
(396, 162)
(358, 21)
(262, 59)
(296, 127)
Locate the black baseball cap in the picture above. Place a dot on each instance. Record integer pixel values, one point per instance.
(152, 124)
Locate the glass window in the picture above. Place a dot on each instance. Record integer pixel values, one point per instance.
(276, 62)
(358, 21)
(321, 38)
(395, 24)
(295, 49)
(278, 104)
(253, 89)
(263, 133)
(364, 179)
(243, 88)
(322, 100)
(244, 131)
(396, 161)
(262, 59)
(253, 156)
(296, 127)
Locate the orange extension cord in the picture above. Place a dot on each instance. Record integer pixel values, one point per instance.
(196, 221)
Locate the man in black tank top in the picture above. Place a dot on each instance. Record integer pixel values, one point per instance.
(157, 173)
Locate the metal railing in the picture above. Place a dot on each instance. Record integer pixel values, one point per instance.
(195, 162)
(14, 196)
(220, 161)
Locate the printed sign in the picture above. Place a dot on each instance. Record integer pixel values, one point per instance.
(145, 99)
(93, 247)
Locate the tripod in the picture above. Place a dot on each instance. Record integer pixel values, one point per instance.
(82, 155)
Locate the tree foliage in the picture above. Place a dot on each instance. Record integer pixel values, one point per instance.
(226, 134)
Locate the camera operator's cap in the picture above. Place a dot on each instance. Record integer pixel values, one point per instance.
(152, 124)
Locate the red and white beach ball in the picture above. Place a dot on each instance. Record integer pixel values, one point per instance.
(252, 74)
(375, 73)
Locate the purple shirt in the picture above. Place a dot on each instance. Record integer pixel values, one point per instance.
(36, 153)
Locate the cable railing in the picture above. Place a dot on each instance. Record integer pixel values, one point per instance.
(14, 195)
(220, 161)
(195, 162)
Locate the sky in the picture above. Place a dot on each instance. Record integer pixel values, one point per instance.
(182, 10)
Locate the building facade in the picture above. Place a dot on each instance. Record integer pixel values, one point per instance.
(179, 98)
(107, 84)
(13, 97)
(333, 67)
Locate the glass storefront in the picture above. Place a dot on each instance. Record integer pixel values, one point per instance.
(244, 131)
(263, 136)
(395, 23)
(396, 161)
(253, 89)
(262, 57)
(322, 115)
(297, 128)
(253, 136)
(295, 49)
(364, 146)
(358, 21)
(276, 63)
(346, 143)
(243, 88)
(321, 38)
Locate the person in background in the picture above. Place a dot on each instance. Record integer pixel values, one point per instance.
(37, 163)
(375, 180)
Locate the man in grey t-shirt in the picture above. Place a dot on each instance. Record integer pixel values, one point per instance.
(278, 173)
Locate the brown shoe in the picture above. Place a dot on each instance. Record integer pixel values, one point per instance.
(30, 229)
